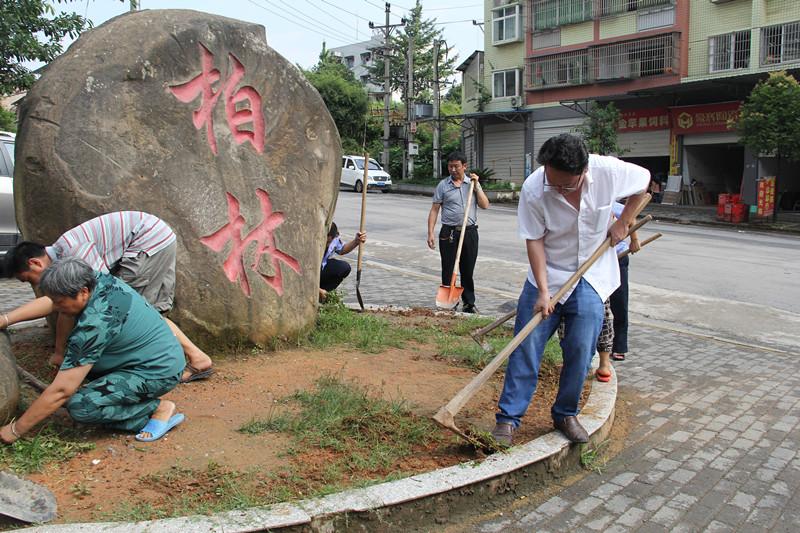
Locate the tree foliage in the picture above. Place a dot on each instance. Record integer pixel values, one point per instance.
(599, 129)
(769, 121)
(31, 31)
(8, 120)
(423, 32)
(345, 97)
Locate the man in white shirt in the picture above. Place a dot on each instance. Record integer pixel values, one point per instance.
(565, 213)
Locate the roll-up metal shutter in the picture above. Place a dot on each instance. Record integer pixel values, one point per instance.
(727, 137)
(644, 143)
(504, 151)
(545, 129)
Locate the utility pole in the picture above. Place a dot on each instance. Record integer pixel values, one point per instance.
(410, 106)
(437, 164)
(387, 88)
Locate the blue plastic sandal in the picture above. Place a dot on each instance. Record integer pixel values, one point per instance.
(159, 428)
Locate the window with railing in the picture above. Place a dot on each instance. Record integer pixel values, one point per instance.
(507, 24)
(635, 59)
(617, 7)
(553, 13)
(780, 44)
(729, 51)
(571, 68)
(653, 56)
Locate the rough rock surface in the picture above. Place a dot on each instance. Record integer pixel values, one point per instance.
(191, 117)
(9, 382)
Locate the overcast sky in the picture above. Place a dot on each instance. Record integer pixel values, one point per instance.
(297, 28)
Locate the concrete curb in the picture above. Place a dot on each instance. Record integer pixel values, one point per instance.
(434, 497)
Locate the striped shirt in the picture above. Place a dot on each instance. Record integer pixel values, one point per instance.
(104, 240)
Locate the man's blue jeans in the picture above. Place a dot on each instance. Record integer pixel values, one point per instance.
(583, 315)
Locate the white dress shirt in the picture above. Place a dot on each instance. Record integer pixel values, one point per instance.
(571, 236)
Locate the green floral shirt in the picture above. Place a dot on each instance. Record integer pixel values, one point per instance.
(119, 330)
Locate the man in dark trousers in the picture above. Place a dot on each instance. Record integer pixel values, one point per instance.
(451, 197)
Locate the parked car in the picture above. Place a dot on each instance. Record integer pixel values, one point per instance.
(9, 234)
(353, 174)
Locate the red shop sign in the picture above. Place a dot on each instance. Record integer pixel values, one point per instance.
(655, 118)
(704, 118)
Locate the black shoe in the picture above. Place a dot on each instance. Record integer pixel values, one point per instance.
(572, 429)
(470, 308)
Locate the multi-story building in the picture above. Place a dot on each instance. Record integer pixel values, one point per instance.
(677, 69)
(358, 58)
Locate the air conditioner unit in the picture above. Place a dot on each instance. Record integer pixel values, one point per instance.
(516, 102)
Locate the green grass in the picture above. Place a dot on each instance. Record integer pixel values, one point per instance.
(32, 454)
(592, 458)
(339, 326)
(187, 491)
(369, 433)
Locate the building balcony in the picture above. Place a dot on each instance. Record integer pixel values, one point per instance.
(549, 14)
(653, 56)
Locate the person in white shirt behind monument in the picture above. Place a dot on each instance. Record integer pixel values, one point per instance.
(565, 213)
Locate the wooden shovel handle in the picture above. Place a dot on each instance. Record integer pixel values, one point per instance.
(363, 209)
(463, 229)
(459, 400)
(644, 243)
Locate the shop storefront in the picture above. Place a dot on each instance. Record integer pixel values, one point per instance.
(643, 134)
(705, 150)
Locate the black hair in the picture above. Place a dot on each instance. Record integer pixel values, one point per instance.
(17, 258)
(457, 156)
(564, 152)
(333, 232)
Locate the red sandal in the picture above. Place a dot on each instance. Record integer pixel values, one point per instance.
(618, 356)
(603, 378)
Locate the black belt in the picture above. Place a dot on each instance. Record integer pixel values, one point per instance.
(458, 228)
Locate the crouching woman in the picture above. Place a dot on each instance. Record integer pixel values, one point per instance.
(121, 357)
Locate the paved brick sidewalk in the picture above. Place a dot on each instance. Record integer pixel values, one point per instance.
(713, 446)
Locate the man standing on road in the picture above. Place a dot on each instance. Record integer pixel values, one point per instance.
(451, 197)
(137, 247)
(565, 213)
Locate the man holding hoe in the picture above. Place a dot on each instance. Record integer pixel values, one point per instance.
(565, 214)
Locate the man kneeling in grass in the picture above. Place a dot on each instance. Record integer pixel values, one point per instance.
(119, 345)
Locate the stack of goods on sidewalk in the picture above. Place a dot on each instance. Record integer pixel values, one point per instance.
(731, 209)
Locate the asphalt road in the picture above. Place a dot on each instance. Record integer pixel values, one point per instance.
(739, 284)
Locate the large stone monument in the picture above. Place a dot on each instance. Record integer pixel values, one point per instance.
(194, 118)
(9, 382)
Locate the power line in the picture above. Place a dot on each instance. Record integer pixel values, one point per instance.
(452, 22)
(334, 17)
(343, 9)
(381, 8)
(311, 20)
(314, 30)
(449, 8)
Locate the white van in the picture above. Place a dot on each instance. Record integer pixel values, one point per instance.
(9, 234)
(353, 174)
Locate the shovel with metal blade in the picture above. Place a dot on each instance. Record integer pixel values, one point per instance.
(448, 296)
(361, 230)
(25, 500)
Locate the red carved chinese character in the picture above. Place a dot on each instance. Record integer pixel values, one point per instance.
(202, 85)
(264, 237)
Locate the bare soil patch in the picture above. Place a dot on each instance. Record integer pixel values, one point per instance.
(208, 464)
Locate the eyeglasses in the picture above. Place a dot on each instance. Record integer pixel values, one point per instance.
(564, 189)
